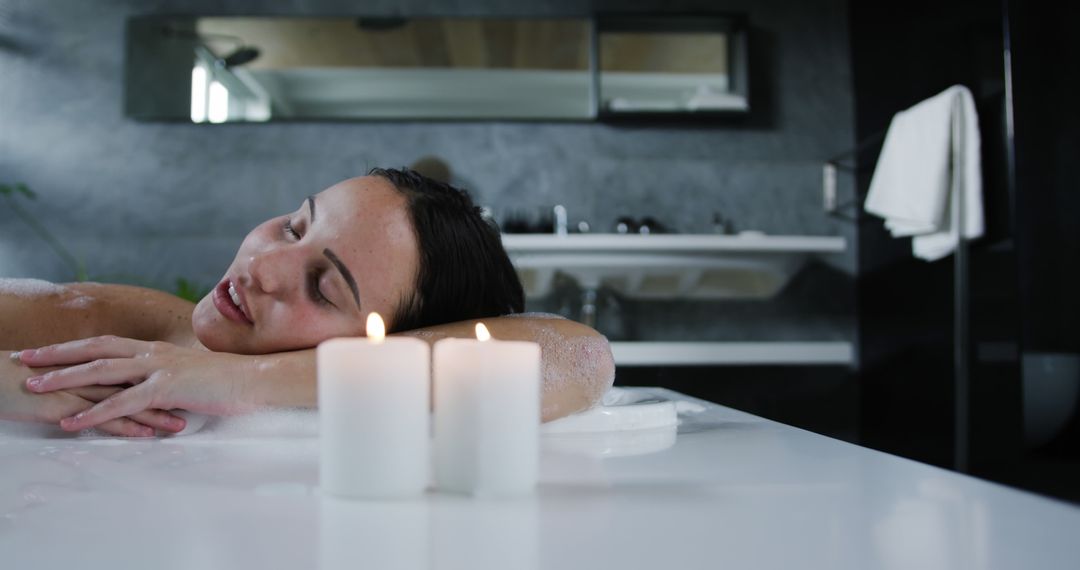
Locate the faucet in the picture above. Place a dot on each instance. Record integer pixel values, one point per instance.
(722, 225)
(560, 220)
(588, 306)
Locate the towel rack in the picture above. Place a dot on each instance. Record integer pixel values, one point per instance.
(830, 174)
(961, 280)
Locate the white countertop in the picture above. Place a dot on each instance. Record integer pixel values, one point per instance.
(729, 491)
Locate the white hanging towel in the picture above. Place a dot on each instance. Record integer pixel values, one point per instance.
(928, 180)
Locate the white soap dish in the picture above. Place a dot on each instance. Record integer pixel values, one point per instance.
(620, 410)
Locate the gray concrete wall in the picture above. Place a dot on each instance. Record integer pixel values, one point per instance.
(151, 202)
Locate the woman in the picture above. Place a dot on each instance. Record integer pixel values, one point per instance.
(394, 242)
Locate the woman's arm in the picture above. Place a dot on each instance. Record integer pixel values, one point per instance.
(36, 313)
(577, 366)
(576, 360)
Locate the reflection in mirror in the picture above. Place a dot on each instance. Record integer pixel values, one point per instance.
(671, 65)
(228, 69)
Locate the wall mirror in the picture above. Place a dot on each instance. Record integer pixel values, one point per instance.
(258, 69)
(671, 65)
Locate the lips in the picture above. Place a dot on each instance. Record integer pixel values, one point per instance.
(230, 303)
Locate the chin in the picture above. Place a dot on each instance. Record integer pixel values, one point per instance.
(211, 329)
(220, 341)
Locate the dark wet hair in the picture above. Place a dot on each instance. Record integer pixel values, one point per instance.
(464, 270)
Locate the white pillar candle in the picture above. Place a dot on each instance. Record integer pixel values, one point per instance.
(487, 415)
(374, 423)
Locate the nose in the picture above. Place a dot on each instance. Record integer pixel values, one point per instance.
(276, 270)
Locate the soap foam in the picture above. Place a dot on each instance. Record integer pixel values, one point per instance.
(585, 361)
(267, 423)
(536, 315)
(579, 356)
(29, 287)
(195, 422)
(263, 423)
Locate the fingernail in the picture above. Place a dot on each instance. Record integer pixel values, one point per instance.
(34, 382)
(28, 353)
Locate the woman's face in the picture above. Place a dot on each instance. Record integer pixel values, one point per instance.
(315, 273)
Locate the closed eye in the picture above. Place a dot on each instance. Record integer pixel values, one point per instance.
(290, 230)
(315, 292)
(313, 277)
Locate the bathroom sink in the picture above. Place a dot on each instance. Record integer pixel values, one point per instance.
(749, 265)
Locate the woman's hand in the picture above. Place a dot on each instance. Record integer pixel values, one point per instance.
(19, 404)
(163, 376)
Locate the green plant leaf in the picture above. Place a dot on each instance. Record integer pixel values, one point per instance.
(25, 190)
(187, 290)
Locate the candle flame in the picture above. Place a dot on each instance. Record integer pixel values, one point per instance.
(482, 332)
(376, 330)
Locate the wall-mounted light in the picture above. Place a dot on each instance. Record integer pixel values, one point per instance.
(241, 54)
(199, 78)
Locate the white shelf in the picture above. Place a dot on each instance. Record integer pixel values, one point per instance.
(731, 353)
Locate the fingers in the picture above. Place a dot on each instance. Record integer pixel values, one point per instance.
(157, 419)
(63, 404)
(93, 393)
(99, 372)
(160, 419)
(127, 403)
(85, 350)
(125, 428)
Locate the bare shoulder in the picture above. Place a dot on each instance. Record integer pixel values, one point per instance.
(147, 314)
(33, 313)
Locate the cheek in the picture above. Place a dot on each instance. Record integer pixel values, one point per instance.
(261, 235)
(258, 236)
(291, 328)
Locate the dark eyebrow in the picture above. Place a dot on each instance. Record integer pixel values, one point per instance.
(311, 206)
(344, 273)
